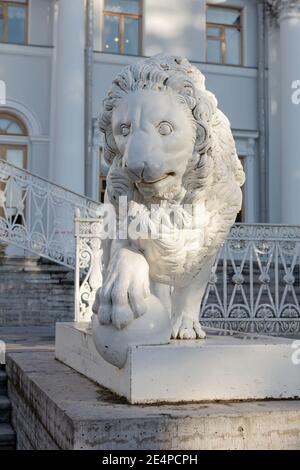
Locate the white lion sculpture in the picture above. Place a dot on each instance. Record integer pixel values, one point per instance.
(169, 147)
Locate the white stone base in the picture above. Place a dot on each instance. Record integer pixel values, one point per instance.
(221, 367)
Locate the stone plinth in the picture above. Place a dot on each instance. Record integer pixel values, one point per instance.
(222, 367)
(54, 407)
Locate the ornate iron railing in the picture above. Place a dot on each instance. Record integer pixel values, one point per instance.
(38, 216)
(88, 270)
(254, 285)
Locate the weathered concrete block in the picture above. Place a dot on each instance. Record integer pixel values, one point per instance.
(31, 434)
(54, 406)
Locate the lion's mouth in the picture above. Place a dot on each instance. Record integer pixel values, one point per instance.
(149, 182)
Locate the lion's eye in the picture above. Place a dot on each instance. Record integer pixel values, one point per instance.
(125, 129)
(165, 128)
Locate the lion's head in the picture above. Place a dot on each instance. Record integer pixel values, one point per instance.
(164, 134)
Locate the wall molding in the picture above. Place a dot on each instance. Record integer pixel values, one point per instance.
(26, 50)
(218, 69)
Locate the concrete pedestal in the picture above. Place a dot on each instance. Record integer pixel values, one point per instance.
(222, 367)
(54, 407)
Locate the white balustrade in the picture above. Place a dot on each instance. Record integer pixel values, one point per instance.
(38, 216)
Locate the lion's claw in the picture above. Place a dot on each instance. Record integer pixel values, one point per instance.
(104, 315)
(121, 317)
(189, 329)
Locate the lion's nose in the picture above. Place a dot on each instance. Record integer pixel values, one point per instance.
(134, 175)
(135, 172)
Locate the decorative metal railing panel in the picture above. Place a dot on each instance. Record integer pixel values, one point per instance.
(38, 216)
(254, 285)
(88, 270)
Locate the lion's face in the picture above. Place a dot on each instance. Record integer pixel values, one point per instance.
(155, 134)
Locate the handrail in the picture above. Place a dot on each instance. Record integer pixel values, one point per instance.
(38, 215)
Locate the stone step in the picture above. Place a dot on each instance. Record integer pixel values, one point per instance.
(45, 292)
(18, 261)
(5, 407)
(3, 382)
(7, 437)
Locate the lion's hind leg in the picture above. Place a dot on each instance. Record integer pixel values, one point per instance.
(186, 302)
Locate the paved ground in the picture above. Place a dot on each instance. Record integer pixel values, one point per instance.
(29, 338)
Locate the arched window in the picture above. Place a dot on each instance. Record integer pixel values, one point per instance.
(13, 149)
(13, 146)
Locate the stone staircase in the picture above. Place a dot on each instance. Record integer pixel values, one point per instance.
(34, 291)
(7, 434)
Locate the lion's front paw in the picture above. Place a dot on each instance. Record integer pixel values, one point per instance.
(125, 291)
(189, 329)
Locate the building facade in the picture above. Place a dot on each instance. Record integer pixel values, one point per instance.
(58, 58)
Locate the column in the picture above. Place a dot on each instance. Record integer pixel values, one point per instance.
(67, 166)
(289, 21)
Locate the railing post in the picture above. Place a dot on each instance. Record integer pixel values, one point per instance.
(77, 266)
